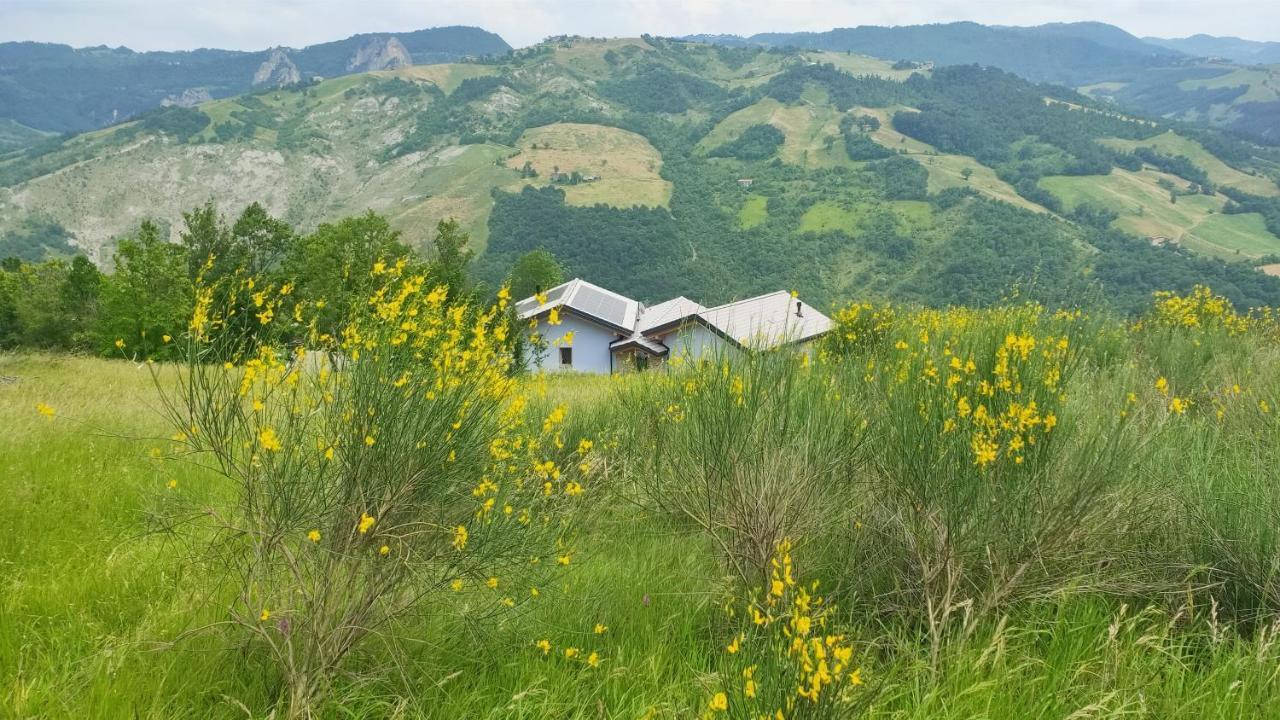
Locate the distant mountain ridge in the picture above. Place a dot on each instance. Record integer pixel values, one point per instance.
(1177, 79)
(1235, 49)
(1063, 53)
(658, 167)
(58, 88)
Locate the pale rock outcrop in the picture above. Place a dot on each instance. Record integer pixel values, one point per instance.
(381, 53)
(189, 98)
(277, 70)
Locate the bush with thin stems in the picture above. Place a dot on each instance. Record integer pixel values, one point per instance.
(750, 448)
(390, 471)
(983, 487)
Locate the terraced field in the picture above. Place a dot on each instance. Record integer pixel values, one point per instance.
(446, 76)
(1146, 209)
(1220, 173)
(855, 64)
(627, 165)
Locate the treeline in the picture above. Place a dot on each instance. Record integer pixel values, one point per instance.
(71, 305)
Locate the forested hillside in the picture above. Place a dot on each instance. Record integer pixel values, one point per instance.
(659, 167)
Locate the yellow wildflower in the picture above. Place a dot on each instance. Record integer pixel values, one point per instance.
(45, 410)
(314, 536)
(366, 522)
(269, 440)
(719, 702)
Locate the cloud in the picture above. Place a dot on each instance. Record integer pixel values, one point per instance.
(256, 24)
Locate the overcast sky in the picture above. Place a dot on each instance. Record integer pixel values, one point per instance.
(256, 24)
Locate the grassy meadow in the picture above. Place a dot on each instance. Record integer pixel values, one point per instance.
(1009, 513)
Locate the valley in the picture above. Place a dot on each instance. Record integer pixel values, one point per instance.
(729, 165)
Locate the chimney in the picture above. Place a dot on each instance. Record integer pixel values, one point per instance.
(798, 312)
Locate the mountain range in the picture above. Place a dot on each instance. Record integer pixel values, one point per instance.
(1226, 82)
(662, 167)
(57, 88)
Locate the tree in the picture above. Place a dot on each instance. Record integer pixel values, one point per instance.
(260, 239)
(451, 258)
(209, 248)
(10, 332)
(39, 307)
(148, 297)
(966, 173)
(537, 269)
(80, 292)
(333, 265)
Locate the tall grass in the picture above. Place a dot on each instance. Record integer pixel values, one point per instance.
(1124, 567)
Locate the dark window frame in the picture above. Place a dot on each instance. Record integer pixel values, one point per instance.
(566, 357)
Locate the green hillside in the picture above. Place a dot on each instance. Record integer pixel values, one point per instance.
(660, 167)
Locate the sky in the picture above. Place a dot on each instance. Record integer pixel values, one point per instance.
(257, 24)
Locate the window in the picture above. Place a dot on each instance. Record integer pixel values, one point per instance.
(566, 357)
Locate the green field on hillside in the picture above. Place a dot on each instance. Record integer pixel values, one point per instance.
(1171, 143)
(812, 131)
(627, 166)
(945, 170)
(446, 76)
(1145, 209)
(912, 216)
(754, 210)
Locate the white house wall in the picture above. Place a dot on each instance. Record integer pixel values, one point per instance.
(590, 345)
(694, 341)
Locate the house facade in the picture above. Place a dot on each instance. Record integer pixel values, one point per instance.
(585, 328)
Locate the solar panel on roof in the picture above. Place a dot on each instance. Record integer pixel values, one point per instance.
(606, 307)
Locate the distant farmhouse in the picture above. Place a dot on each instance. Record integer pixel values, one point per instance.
(613, 333)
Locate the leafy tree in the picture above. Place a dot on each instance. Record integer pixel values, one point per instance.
(209, 248)
(535, 269)
(451, 258)
(80, 294)
(10, 330)
(261, 239)
(149, 296)
(332, 265)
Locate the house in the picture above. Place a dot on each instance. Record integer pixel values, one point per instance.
(745, 182)
(600, 331)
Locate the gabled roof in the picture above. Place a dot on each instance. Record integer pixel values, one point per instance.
(670, 311)
(767, 320)
(764, 321)
(592, 301)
